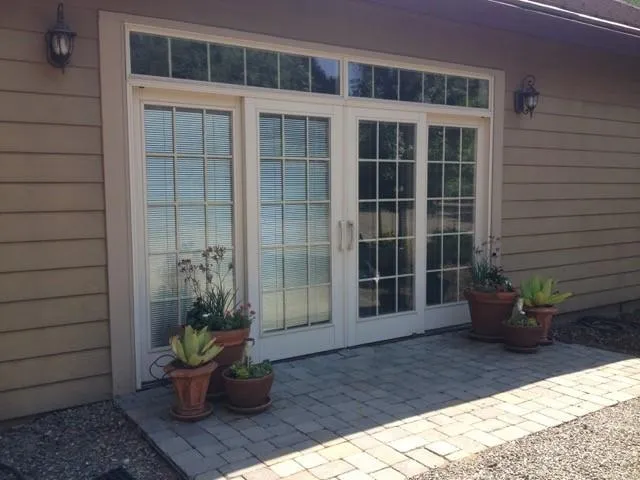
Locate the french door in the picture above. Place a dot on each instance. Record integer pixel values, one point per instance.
(342, 226)
(294, 211)
(186, 195)
(385, 159)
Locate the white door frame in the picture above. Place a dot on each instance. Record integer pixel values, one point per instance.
(384, 327)
(303, 340)
(120, 136)
(145, 355)
(453, 314)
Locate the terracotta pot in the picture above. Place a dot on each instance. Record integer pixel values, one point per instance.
(521, 339)
(488, 312)
(233, 342)
(190, 386)
(544, 315)
(248, 393)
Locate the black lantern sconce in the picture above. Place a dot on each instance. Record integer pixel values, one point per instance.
(60, 41)
(526, 98)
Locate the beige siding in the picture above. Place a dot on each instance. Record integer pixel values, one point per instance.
(40, 398)
(571, 205)
(572, 199)
(54, 335)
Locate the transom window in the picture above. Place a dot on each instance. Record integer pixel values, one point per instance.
(170, 57)
(194, 60)
(386, 83)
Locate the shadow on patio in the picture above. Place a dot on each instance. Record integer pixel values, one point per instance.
(390, 411)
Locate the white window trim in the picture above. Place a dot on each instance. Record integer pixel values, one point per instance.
(116, 102)
(343, 55)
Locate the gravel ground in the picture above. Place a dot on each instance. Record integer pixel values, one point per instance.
(604, 445)
(80, 443)
(619, 334)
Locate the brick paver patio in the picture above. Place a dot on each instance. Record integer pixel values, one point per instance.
(390, 411)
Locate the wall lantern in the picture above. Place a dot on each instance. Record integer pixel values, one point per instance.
(526, 98)
(59, 41)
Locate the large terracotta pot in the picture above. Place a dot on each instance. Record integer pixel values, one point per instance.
(190, 386)
(544, 316)
(248, 393)
(488, 312)
(521, 339)
(233, 342)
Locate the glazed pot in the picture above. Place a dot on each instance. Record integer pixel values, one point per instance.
(248, 393)
(233, 342)
(190, 386)
(544, 316)
(521, 339)
(488, 312)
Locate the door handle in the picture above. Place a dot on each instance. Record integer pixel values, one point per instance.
(351, 227)
(341, 233)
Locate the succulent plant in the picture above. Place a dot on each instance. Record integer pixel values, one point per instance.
(195, 347)
(541, 292)
(246, 369)
(519, 318)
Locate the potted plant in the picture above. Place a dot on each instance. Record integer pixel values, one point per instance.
(521, 332)
(216, 307)
(248, 386)
(540, 296)
(190, 371)
(491, 296)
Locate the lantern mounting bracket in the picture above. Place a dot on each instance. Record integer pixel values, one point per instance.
(526, 97)
(59, 40)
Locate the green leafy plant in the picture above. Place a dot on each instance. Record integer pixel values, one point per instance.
(246, 369)
(519, 318)
(215, 305)
(194, 347)
(486, 276)
(541, 292)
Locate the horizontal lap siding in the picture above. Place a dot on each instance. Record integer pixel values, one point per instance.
(572, 199)
(570, 174)
(54, 332)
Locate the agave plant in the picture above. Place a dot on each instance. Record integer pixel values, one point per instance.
(195, 347)
(541, 292)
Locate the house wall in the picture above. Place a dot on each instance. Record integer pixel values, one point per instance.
(571, 190)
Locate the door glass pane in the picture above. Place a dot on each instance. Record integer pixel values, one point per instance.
(294, 221)
(450, 211)
(386, 220)
(188, 159)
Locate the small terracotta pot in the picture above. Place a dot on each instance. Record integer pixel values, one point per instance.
(544, 316)
(488, 312)
(233, 342)
(190, 386)
(521, 339)
(248, 393)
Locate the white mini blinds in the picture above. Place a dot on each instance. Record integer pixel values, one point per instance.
(189, 202)
(294, 221)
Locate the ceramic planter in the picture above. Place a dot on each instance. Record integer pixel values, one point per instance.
(233, 342)
(488, 312)
(544, 316)
(249, 395)
(190, 386)
(521, 339)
